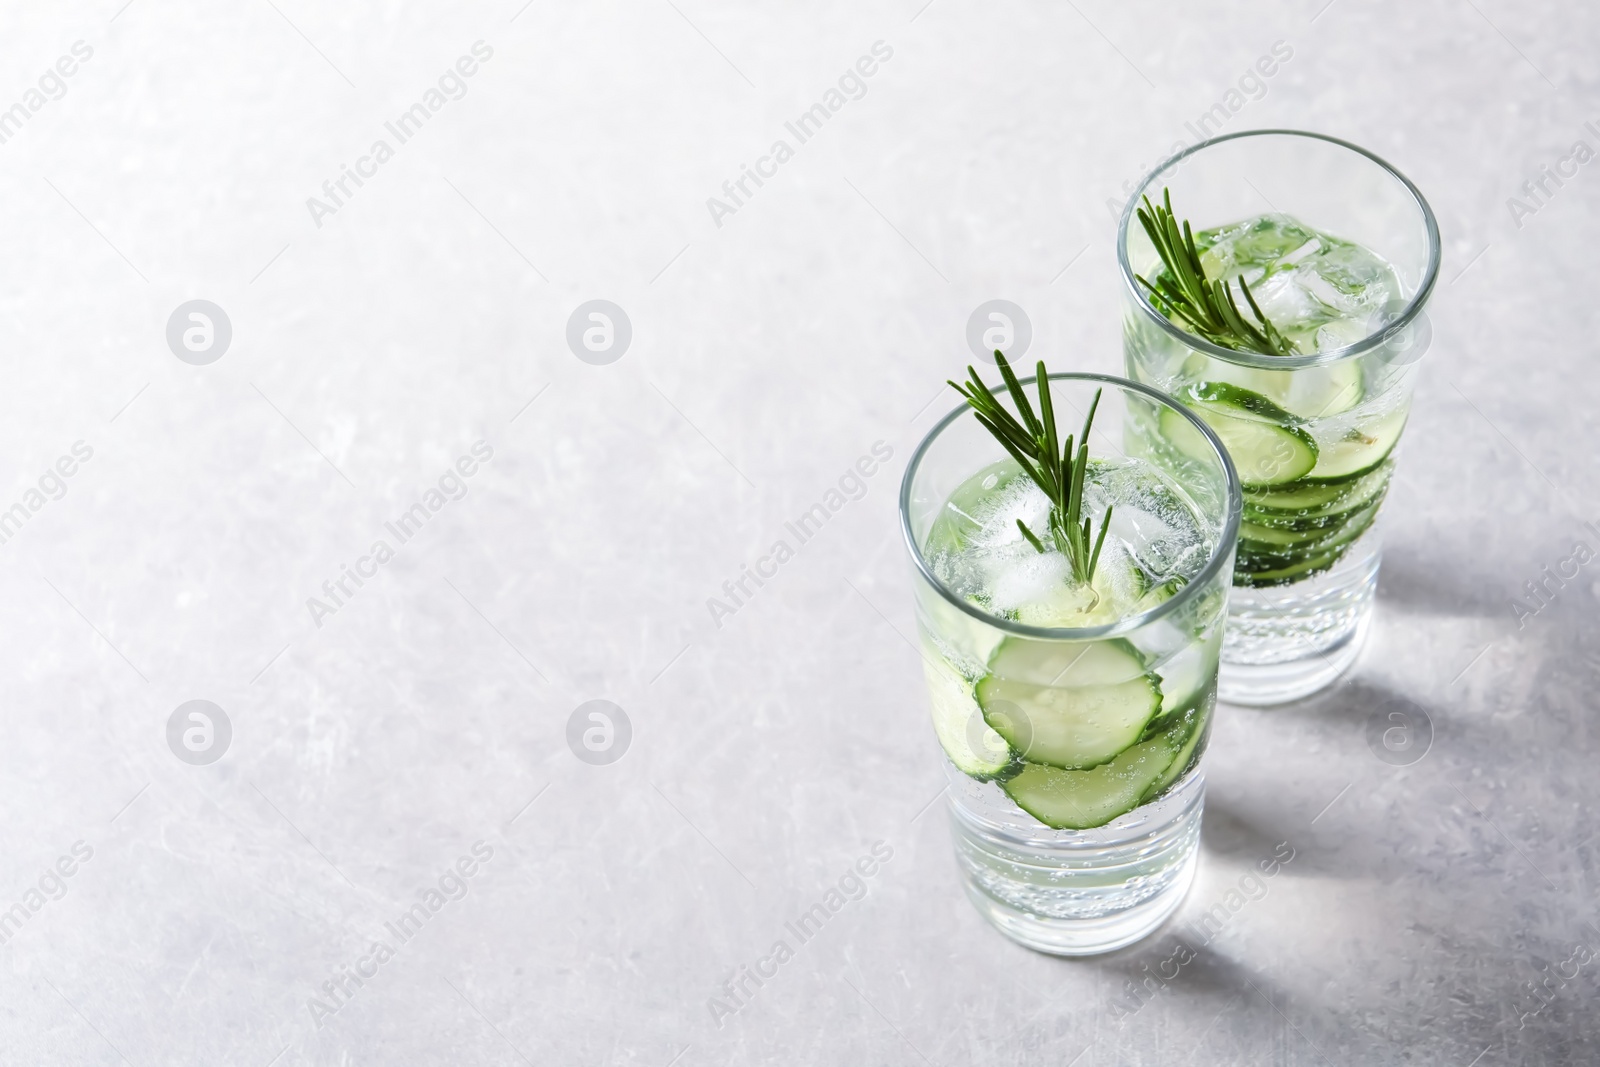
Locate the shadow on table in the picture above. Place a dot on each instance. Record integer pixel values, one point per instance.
(1420, 584)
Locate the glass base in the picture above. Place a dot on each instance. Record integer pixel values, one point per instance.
(1287, 642)
(1081, 892)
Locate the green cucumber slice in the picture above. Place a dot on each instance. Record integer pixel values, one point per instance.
(1082, 800)
(1314, 498)
(1070, 704)
(1362, 492)
(1066, 663)
(1196, 731)
(972, 746)
(1256, 552)
(1286, 574)
(1238, 401)
(1279, 536)
(1258, 569)
(1360, 450)
(1267, 447)
(1073, 728)
(1305, 392)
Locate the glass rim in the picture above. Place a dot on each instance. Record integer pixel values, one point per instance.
(1226, 540)
(1255, 359)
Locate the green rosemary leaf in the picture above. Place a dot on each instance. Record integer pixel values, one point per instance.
(1033, 444)
(1047, 412)
(1038, 545)
(1105, 524)
(1204, 306)
(1018, 397)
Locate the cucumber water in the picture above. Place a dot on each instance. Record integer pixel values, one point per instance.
(1314, 444)
(1073, 733)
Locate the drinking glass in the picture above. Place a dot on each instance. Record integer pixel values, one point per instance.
(1110, 846)
(1314, 436)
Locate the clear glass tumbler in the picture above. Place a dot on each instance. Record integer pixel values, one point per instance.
(1342, 252)
(1073, 755)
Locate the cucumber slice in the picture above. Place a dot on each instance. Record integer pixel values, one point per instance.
(1260, 569)
(1312, 499)
(972, 746)
(1070, 704)
(1305, 392)
(1274, 536)
(1073, 728)
(1288, 573)
(1266, 445)
(1364, 491)
(1360, 450)
(1066, 663)
(1256, 552)
(1082, 800)
(1196, 732)
(1238, 401)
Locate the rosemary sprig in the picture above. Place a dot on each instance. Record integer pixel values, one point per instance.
(1054, 468)
(1204, 306)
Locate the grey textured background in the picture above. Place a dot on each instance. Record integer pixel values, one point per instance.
(769, 753)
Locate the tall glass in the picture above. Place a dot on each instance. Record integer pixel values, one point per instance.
(1314, 436)
(1109, 848)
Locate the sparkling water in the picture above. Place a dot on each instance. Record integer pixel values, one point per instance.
(1321, 292)
(1075, 890)
(1292, 635)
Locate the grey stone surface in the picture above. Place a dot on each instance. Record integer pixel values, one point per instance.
(373, 745)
